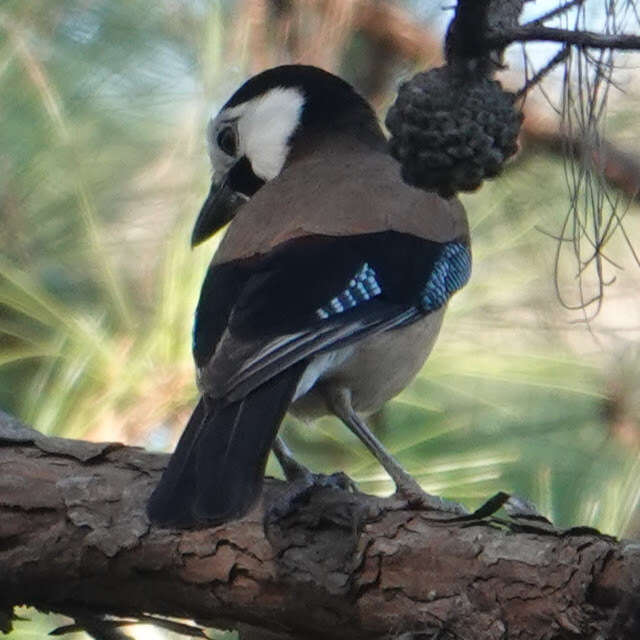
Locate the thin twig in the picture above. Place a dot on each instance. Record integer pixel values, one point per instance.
(561, 56)
(554, 13)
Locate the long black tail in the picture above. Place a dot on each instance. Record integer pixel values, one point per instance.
(216, 471)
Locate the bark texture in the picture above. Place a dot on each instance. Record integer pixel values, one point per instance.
(74, 538)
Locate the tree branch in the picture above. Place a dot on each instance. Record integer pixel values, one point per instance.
(74, 538)
(536, 32)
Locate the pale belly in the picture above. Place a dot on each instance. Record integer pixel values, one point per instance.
(374, 370)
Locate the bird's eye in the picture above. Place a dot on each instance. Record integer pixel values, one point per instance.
(227, 141)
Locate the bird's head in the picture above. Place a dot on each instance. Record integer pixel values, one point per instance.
(269, 119)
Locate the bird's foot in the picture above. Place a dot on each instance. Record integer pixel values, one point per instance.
(299, 491)
(417, 498)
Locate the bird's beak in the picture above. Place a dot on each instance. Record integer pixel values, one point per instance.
(218, 209)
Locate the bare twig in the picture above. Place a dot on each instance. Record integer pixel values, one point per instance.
(554, 13)
(622, 41)
(539, 75)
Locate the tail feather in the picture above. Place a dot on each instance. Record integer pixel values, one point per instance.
(216, 471)
(169, 503)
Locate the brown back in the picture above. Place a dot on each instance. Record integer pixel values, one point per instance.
(343, 188)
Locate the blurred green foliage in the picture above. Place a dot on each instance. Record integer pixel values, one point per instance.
(102, 169)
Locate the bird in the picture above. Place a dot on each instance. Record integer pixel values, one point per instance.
(324, 296)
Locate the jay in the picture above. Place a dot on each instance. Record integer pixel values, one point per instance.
(325, 296)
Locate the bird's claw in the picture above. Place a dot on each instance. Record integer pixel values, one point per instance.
(299, 491)
(418, 499)
(337, 480)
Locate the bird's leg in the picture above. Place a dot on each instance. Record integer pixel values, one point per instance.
(293, 470)
(302, 482)
(406, 485)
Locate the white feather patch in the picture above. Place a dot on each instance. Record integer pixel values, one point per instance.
(265, 129)
(265, 125)
(319, 367)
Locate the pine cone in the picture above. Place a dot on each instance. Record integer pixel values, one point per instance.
(449, 134)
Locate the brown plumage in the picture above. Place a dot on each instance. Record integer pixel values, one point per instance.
(339, 187)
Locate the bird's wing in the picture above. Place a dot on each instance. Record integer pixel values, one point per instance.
(259, 316)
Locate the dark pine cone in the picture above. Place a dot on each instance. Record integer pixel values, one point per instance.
(449, 134)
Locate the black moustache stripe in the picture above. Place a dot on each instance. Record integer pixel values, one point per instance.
(242, 179)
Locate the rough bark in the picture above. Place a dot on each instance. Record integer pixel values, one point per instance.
(74, 538)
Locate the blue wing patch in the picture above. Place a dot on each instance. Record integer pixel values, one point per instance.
(362, 287)
(451, 272)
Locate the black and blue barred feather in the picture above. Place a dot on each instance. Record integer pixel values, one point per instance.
(450, 272)
(361, 288)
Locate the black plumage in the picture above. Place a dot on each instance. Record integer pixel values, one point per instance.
(216, 471)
